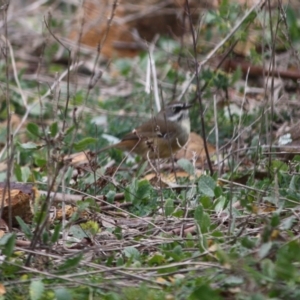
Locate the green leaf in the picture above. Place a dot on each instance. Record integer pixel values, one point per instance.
(5, 238)
(218, 191)
(22, 173)
(268, 268)
(232, 280)
(138, 190)
(54, 129)
(292, 185)
(18, 172)
(205, 223)
(143, 189)
(206, 202)
(176, 254)
(206, 292)
(127, 195)
(63, 294)
(118, 232)
(40, 162)
(36, 289)
(7, 244)
(156, 259)
(70, 130)
(237, 74)
(132, 253)
(120, 262)
(288, 223)
(25, 228)
(186, 165)
(45, 237)
(25, 173)
(278, 165)
(78, 98)
(248, 242)
(83, 205)
(219, 204)
(77, 232)
(198, 214)
(70, 263)
(202, 218)
(265, 249)
(29, 146)
(206, 185)
(110, 196)
(142, 169)
(33, 129)
(129, 192)
(56, 233)
(84, 143)
(169, 207)
(275, 220)
(284, 265)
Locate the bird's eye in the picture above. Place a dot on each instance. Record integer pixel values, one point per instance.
(176, 109)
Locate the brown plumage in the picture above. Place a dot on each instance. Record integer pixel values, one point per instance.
(160, 137)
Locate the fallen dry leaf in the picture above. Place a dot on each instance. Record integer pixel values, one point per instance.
(131, 16)
(2, 289)
(21, 200)
(169, 180)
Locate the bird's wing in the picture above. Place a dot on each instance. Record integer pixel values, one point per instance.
(151, 129)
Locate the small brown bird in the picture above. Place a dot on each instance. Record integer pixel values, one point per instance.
(160, 137)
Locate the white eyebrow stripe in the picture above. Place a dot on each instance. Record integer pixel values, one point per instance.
(178, 106)
(175, 117)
